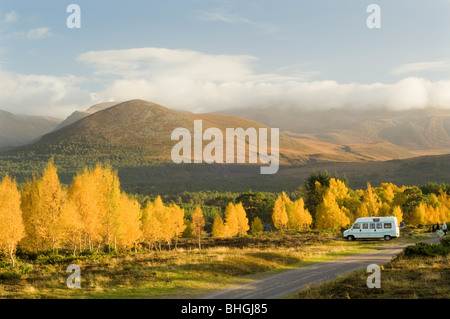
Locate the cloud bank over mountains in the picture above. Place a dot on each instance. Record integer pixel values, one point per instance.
(200, 82)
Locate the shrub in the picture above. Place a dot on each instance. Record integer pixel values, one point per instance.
(427, 250)
(50, 259)
(5, 264)
(10, 275)
(25, 269)
(445, 241)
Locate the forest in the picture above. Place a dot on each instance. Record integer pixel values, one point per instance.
(93, 212)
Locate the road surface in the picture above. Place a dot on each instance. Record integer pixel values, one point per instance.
(280, 285)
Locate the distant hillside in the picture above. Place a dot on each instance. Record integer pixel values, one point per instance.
(134, 137)
(78, 115)
(149, 126)
(409, 132)
(21, 129)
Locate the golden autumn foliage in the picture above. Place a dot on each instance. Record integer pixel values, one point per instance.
(257, 226)
(279, 215)
(93, 213)
(242, 220)
(331, 212)
(12, 229)
(44, 210)
(162, 223)
(290, 215)
(218, 227)
(198, 224)
(231, 221)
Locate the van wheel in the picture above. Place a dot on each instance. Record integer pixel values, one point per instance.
(350, 238)
(387, 238)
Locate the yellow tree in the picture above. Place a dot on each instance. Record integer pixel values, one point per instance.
(397, 212)
(177, 224)
(370, 204)
(257, 226)
(45, 202)
(218, 227)
(242, 220)
(279, 215)
(26, 204)
(298, 215)
(71, 222)
(152, 229)
(198, 224)
(444, 200)
(419, 215)
(85, 194)
(162, 214)
(231, 221)
(129, 230)
(110, 198)
(12, 229)
(329, 214)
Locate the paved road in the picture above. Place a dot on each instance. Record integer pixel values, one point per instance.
(280, 285)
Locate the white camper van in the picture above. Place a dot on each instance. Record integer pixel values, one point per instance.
(373, 227)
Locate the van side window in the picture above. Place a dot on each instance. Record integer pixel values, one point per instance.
(379, 225)
(357, 226)
(372, 225)
(365, 226)
(387, 225)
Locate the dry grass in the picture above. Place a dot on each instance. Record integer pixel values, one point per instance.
(402, 278)
(185, 273)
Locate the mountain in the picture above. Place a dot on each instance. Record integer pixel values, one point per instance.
(411, 132)
(134, 137)
(147, 125)
(78, 115)
(21, 129)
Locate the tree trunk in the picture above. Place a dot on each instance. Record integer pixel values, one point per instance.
(11, 255)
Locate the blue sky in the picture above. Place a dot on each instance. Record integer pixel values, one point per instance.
(202, 55)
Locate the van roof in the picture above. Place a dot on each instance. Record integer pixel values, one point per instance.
(375, 219)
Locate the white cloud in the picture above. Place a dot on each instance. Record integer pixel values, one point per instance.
(233, 18)
(41, 94)
(32, 34)
(11, 17)
(199, 82)
(39, 33)
(420, 67)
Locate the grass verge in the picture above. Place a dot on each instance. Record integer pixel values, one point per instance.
(185, 273)
(422, 271)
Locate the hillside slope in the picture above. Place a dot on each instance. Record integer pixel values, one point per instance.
(409, 133)
(21, 129)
